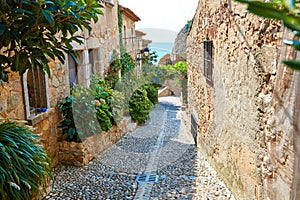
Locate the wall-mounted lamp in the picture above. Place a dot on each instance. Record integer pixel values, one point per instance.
(146, 51)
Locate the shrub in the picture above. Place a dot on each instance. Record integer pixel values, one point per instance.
(140, 105)
(24, 164)
(102, 95)
(96, 108)
(152, 92)
(79, 111)
(117, 106)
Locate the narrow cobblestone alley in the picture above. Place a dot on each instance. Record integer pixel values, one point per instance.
(156, 161)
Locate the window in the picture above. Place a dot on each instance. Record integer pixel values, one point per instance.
(124, 34)
(208, 60)
(194, 128)
(35, 84)
(91, 60)
(73, 71)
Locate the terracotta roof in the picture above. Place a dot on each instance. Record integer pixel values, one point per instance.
(129, 13)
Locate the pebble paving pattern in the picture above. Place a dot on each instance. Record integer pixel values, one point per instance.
(161, 153)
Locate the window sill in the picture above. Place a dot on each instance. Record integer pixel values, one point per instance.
(32, 120)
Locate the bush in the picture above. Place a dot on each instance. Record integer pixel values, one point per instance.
(140, 105)
(152, 92)
(24, 164)
(102, 94)
(96, 108)
(79, 108)
(117, 106)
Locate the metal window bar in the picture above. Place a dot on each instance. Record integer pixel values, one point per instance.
(230, 5)
(38, 92)
(208, 60)
(194, 128)
(34, 90)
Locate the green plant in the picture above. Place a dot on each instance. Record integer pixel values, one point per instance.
(102, 94)
(287, 13)
(150, 59)
(152, 92)
(117, 106)
(29, 30)
(79, 111)
(127, 63)
(140, 105)
(112, 74)
(124, 63)
(114, 99)
(24, 167)
(120, 26)
(69, 130)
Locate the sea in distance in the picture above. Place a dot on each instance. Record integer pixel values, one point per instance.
(161, 48)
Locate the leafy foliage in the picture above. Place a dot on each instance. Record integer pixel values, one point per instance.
(70, 132)
(150, 59)
(120, 26)
(78, 111)
(140, 105)
(117, 106)
(124, 63)
(102, 95)
(152, 92)
(89, 110)
(280, 10)
(127, 62)
(177, 72)
(24, 164)
(33, 31)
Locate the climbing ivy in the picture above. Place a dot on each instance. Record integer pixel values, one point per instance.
(120, 24)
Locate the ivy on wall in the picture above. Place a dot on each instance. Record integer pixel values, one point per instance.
(120, 24)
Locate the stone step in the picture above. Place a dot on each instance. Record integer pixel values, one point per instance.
(131, 127)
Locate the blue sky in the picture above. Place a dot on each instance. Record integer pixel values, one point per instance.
(163, 14)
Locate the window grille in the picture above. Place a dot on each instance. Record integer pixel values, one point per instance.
(36, 88)
(208, 60)
(194, 128)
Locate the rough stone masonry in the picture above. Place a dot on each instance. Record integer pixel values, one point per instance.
(248, 114)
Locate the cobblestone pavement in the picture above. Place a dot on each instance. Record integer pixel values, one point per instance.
(156, 161)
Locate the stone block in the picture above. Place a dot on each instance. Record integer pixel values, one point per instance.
(131, 127)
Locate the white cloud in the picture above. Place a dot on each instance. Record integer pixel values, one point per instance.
(164, 14)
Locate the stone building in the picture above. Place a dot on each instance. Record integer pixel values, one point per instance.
(34, 95)
(243, 103)
(130, 40)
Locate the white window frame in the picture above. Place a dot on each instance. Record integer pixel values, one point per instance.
(26, 96)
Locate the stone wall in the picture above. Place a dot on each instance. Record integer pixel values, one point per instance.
(244, 129)
(12, 105)
(11, 94)
(103, 39)
(79, 154)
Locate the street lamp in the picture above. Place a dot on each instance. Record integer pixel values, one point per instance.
(139, 57)
(146, 51)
